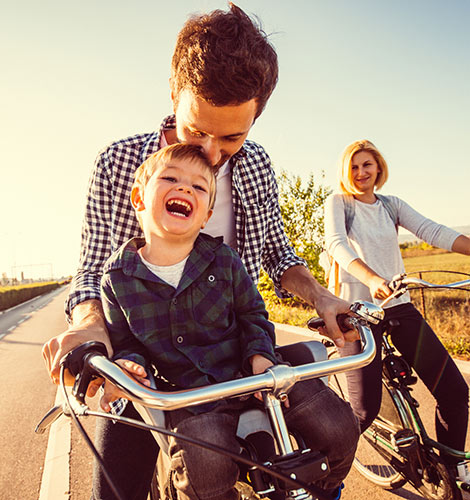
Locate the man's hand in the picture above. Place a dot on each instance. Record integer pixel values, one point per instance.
(88, 324)
(328, 308)
(299, 281)
(111, 392)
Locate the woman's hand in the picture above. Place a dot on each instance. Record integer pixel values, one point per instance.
(379, 288)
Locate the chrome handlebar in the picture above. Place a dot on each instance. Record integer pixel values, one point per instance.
(399, 284)
(278, 379)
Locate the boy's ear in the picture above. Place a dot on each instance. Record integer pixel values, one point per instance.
(209, 213)
(136, 199)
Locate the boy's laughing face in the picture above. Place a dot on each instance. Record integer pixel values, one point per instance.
(175, 201)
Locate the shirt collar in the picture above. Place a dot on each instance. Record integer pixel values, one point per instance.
(128, 259)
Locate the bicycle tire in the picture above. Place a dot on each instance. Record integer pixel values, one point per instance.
(437, 482)
(372, 461)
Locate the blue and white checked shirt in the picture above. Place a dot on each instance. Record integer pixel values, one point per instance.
(110, 219)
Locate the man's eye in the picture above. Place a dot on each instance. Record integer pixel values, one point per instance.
(197, 134)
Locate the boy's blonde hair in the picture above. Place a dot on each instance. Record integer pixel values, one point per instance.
(176, 151)
(346, 183)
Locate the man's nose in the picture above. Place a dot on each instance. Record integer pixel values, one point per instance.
(212, 151)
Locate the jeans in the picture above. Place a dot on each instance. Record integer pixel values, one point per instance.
(129, 455)
(421, 348)
(325, 422)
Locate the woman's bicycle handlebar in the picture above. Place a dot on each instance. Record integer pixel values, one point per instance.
(402, 283)
(278, 379)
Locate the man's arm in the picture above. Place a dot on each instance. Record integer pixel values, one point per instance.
(299, 281)
(87, 324)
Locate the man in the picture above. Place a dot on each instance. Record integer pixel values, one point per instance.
(223, 72)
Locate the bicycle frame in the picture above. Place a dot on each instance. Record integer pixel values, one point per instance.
(400, 392)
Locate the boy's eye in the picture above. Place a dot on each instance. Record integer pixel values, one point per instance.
(168, 178)
(200, 188)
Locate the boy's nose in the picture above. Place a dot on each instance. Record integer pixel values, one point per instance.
(184, 189)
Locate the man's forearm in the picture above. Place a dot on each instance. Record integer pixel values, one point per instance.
(299, 281)
(88, 313)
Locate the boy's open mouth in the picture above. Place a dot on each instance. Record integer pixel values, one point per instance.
(179, 208)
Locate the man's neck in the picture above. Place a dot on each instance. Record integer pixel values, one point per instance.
(170, 136)
(166, 252)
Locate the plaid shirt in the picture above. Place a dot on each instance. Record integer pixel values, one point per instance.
(110, 219)
(200, 333)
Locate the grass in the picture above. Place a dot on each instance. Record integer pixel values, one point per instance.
(448, 312)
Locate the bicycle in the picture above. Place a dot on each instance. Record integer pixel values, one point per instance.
(289, 471)
(396, 448)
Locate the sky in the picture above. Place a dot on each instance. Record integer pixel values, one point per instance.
(77, 75)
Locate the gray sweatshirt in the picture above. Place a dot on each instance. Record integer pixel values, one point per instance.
(373, 239)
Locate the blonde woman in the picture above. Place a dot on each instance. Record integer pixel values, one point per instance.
(361, 236)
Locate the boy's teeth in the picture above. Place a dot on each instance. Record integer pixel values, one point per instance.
(175, 207)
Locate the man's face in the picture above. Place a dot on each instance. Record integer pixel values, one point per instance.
(219, 130)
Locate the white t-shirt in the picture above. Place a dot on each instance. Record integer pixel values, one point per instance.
(222, 221)
(170, 274)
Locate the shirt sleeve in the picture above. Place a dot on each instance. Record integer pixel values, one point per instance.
(278, 255)
(336, 238)
(255, 330)
(96, 239)
(425, 229)
(125, 344)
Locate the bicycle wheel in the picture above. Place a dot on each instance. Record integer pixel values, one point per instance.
(436, 482)
(375, 453)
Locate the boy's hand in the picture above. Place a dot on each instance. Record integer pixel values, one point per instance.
(259, 364)
(111, 392)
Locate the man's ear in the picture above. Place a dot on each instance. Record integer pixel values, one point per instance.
(207, 219)
(136, 199)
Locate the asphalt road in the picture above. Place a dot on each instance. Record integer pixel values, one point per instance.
(27, 394)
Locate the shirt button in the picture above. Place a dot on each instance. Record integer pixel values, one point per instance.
(179, 339)
(174, 301)
(211, 278)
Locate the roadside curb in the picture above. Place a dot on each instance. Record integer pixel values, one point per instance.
(463, 366)
(55, 482)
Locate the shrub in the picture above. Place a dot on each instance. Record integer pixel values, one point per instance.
(14, 295)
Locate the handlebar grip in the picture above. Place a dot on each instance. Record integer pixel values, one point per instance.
(343, 321)
(73, 360)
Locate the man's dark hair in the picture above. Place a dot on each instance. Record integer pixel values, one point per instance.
(224, 58)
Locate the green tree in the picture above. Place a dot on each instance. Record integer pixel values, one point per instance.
(302, 212)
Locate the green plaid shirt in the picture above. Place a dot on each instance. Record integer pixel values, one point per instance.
(200, 333)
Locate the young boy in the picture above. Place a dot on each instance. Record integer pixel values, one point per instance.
(183, 302)
(180, 300)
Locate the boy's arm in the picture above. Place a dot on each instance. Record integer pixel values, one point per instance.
(256, 331)
(124, 343)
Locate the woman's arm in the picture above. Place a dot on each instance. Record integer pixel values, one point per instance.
(378, 286)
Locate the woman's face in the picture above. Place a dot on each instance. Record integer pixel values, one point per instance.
(364, 170)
